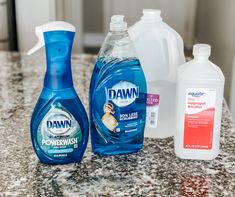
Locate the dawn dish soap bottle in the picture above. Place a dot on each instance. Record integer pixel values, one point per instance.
(59, 124)
(117, 95)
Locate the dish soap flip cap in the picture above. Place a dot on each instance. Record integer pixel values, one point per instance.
(52, 26)
(117, 23)
(201, 50)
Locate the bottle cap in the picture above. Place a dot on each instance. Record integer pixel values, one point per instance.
(201, 50)
(117, 23)
(152, 14)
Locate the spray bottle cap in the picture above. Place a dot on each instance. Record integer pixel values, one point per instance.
(117, 23)
(52, 26)
(152, 14)
(202, 50)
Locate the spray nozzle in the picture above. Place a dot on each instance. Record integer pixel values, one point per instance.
(52, 26)
(40, 43)
(117, 23)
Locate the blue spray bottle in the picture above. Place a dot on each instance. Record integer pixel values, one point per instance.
(59, 124)
(117, 95)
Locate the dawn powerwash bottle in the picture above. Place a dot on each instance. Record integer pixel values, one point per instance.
(117, 95)
(59, 124)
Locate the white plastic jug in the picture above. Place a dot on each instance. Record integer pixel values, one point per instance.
(160, 50)
(200, 88)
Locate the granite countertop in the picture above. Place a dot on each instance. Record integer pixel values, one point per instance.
(154, 171)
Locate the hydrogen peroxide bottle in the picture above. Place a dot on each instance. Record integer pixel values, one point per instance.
(59, 124)
(117, 95)
(200, 87)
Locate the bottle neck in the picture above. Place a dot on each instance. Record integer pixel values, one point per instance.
(119, 33)
(58, 75)
(151, 18)
(117, 45)
(201, 58)
(58, 46)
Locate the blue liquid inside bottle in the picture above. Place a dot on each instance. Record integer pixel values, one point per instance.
(59, 124)
(117, 95)
(117, 106)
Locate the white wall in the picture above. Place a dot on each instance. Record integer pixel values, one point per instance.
(179, 14)
(3, 26)
(216, 26)
(29, 14)
(71, 11)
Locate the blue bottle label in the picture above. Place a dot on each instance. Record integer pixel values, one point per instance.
(118, 111)
(59, 134)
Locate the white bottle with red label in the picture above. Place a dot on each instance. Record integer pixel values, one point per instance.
(200, 86)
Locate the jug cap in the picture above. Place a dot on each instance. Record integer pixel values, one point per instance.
(117, 23)
(152, 14)
(201, 50)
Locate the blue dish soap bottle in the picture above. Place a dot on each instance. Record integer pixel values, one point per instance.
(59, 124)
(117, 95)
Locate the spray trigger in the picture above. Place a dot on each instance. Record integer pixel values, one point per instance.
(40, 43)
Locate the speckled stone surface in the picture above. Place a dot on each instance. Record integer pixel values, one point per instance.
(154, 171)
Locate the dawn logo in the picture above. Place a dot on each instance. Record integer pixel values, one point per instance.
(123, 93)
(58, 124)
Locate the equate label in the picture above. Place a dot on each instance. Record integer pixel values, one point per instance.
(199, 118)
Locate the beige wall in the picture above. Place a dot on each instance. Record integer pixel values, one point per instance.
(28, 15)
(216, 25)
(93, 16)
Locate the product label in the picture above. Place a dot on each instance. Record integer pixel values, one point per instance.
(59, 134)
(199, 118)
(123, 94)
(152, 110)
(121, 109)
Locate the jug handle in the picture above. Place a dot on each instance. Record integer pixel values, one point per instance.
(172, 51)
